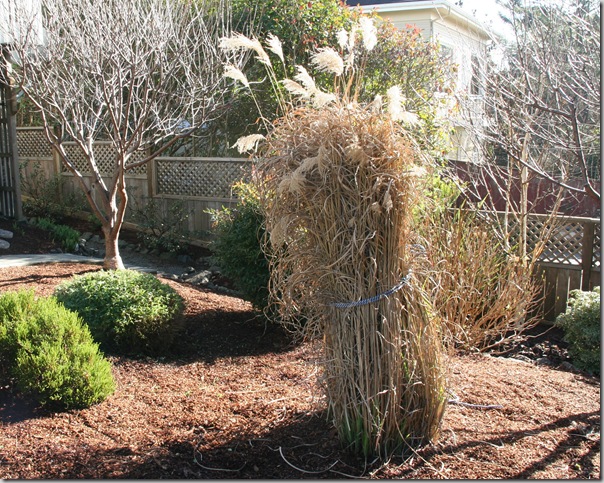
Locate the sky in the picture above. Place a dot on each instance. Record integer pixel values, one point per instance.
(486, 11)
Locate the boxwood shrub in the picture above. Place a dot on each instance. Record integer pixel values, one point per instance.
(50, 352)
(128, 312)
(581, 325)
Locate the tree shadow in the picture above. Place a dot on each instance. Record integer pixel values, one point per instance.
(34, 278)
(571, 422)
(303, 446)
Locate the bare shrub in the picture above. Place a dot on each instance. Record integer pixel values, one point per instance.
(484, 294)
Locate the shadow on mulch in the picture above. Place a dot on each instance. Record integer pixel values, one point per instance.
(15, 407)
(577, 426)
(280, 453)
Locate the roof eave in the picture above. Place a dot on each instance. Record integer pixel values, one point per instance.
(436, 4)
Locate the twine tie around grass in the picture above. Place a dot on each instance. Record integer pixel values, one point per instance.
(345, 305)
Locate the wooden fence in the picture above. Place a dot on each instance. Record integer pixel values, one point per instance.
(570, 258)
(199, 183)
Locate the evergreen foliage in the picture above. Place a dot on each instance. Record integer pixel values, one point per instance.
(128, 312)
(50, 352)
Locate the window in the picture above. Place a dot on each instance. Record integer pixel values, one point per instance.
(476, 80)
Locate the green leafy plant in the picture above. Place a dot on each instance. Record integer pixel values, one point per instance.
(63, 234)
(50, 352)
(44, 196)
(238, 246)
(581, 324)
(128, 312)
(162, 230)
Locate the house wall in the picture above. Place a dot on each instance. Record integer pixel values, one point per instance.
(467, 46)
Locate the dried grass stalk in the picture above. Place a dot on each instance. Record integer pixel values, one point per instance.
(483, 295)
(337, 186)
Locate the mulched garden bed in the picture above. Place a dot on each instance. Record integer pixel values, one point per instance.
(238, 400)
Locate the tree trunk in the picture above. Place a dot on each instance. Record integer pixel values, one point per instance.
(112, 260)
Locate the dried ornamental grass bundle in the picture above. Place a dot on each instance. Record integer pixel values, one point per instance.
(338, 186)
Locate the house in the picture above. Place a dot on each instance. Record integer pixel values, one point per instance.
(462, 38)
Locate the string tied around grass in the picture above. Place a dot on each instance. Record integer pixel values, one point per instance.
(345, 305)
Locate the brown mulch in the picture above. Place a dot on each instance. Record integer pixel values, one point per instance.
(238, 400)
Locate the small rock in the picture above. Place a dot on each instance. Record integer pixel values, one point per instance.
(543, 361)
(7, 235)
(96, 239)
(567, 366)
(4, 245)
(56, 250)
(86, 236)
(200, 278)
(188, 270)
(144, 251)
(215, 269)
(82, 242)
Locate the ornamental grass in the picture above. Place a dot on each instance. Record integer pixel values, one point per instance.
(337, 183)
(338, 189)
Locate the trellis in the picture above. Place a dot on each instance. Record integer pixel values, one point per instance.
(104, 156)
(199, 178)
(33, 143)
(565, 245)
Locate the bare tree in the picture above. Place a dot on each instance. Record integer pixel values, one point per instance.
(141, 74)
(542, 102)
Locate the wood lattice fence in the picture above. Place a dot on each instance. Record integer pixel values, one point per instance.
(200, 183)
(570, 258)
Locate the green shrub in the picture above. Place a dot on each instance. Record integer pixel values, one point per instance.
(163, 230)
(581, 324)
(65, 235)
(45, 196)
(237, 245)
(128, 312)
(50, 352)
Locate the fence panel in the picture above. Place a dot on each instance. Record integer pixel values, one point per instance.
(204, 184)
(207, 179)
(570, 258)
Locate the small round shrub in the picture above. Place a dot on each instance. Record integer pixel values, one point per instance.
(581, 325)
(53, 354)
(128, 312)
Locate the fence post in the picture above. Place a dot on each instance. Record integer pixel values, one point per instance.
(587, 253)
(151, 181)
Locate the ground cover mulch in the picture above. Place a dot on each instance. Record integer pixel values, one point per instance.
(239, 400)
